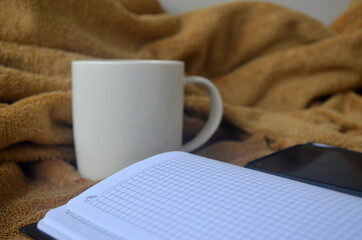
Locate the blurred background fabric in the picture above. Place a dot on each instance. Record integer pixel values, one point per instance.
(285, 77)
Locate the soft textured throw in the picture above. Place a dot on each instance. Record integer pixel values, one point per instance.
(285, 79)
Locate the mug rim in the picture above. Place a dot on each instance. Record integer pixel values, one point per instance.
(126, 61)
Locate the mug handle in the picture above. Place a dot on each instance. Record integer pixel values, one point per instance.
(215, 116)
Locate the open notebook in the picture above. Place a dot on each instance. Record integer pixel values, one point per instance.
(178, 195)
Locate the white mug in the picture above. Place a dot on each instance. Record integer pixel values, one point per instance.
(128, 110)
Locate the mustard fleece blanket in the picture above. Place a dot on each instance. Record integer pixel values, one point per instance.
(285, 79)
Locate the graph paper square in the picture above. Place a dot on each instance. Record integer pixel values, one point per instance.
(197, 198)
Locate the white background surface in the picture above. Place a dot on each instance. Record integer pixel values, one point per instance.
(324, 10)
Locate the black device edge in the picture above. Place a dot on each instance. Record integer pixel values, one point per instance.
(304, 180)
(32, 231)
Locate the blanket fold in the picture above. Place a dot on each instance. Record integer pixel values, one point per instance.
(285, 79)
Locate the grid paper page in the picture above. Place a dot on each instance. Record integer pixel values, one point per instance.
(191, 197)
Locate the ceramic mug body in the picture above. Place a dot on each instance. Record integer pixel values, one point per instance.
(125, 111)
